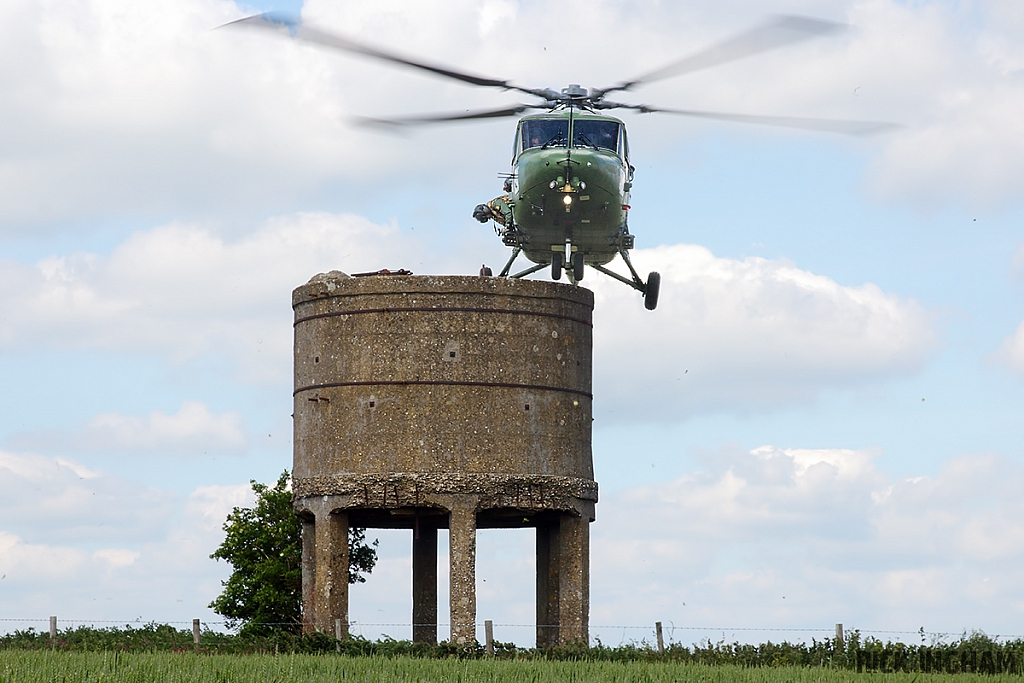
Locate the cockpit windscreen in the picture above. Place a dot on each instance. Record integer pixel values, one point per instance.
(594, 133)
(545, 133)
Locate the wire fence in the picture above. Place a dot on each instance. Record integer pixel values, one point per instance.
(360, 627)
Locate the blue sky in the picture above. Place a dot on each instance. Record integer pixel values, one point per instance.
(824, 407)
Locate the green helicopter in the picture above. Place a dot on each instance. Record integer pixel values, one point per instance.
(568, 198)
(566, 201)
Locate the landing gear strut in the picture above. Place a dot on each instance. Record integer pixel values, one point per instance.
(649, 289)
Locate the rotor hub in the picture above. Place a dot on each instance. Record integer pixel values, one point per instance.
(575, 90)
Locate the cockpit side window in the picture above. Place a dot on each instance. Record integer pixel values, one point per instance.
(595, 133)
(545, 133)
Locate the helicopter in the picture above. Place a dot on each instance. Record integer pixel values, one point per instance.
(567, 199)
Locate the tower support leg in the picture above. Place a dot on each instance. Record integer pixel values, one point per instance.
(462, 578)
(424, 584)
(574, 579)
(308, 575)
(331, 580)
(547, 583)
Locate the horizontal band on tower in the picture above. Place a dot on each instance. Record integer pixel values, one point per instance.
(427, 309)
(391, 490)
(444, 383)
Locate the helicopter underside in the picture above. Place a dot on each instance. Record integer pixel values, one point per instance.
(585, 208)
(573, 218)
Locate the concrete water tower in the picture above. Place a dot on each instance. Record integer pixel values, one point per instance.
(427, 403)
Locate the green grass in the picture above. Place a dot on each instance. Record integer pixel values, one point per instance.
(23, 666)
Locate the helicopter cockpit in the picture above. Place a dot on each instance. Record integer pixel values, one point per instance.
(586, 133)
(596, 133)
(544, 133)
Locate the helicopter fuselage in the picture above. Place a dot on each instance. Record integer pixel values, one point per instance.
(571, 183)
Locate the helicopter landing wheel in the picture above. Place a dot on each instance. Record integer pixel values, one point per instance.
(651, 291)
(577, 266)
(556, 265)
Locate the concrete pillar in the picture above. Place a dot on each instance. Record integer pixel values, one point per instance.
(308, 575)
(462, 574)
(331, 582)
(547, 583)
(424, 584)
(574, 579)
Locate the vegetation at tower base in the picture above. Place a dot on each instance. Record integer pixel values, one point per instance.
(264, 548)
(969, 654)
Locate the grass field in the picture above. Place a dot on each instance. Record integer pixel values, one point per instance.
(19, 666)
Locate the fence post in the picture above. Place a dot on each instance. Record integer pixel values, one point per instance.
(661, 639)
(53, 628)
(195, 631)
(337, 634)
(839, 636)
(489, 636)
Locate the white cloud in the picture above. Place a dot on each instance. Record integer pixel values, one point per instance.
(192, 430)
(771, 537)
(959, 98)
(1017, 261)
(19, 560)
(116, 557)
(138, 106)
(193, 425)
(728, 334)
(57, 500)
(1011, 352)
(744, 335)
(790, 537)
(181, 291)
(101, 547)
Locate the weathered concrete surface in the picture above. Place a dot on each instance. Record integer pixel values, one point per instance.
(574, 579)
(547, 583)
(462, 579)
(330, 582)
(445, 402)
(424, 583)
(442, 374)
(396, 490)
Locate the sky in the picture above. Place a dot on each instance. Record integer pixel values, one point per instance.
(819, 424)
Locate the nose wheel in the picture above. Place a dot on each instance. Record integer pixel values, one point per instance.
(557, 265)
(577, 266)
(574, 266)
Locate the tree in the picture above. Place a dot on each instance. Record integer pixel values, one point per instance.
(264, 547)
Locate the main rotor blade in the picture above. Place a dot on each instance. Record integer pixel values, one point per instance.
(845, 127)
(277, 22)
(442, 118)
(776, 32)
